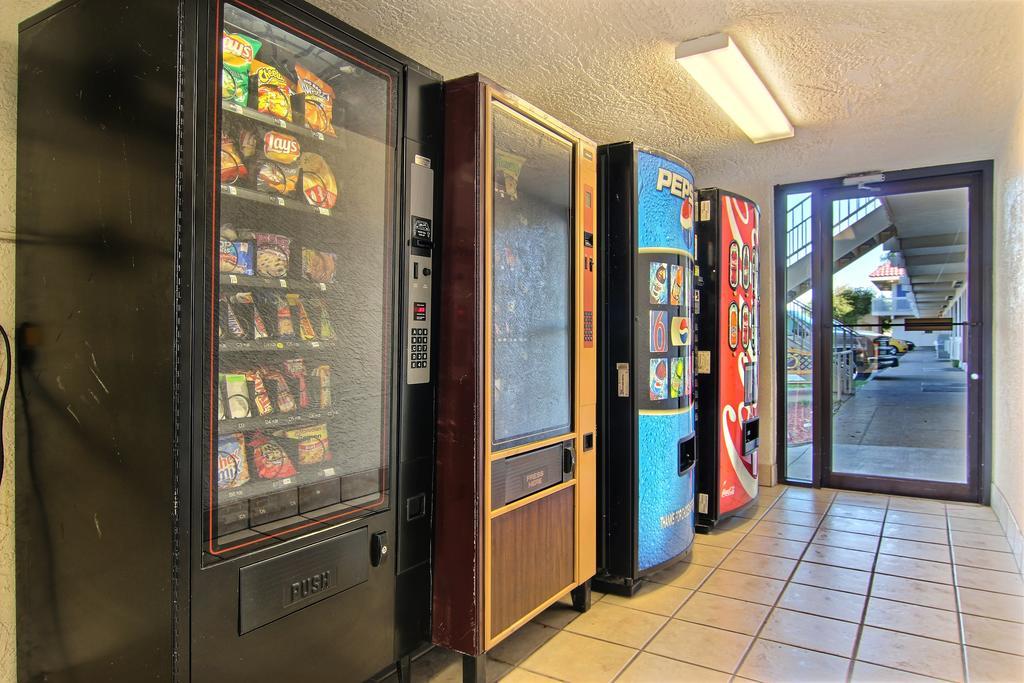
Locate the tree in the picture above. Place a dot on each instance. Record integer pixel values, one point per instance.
(850, 304)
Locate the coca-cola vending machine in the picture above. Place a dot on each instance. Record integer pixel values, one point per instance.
(727, 355)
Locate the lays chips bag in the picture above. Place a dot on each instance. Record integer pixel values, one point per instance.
(238, 52)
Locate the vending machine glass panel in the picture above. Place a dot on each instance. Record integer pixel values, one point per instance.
(531, 287)
(300, 330)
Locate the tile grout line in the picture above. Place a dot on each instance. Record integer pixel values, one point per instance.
(867, 596)
(690, 597)
(785, 586)
(956, 597)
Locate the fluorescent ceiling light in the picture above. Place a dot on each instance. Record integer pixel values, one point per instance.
(721, 69)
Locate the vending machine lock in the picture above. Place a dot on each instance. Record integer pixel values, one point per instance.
(378, 548)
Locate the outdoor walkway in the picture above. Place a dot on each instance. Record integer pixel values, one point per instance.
(905, 422)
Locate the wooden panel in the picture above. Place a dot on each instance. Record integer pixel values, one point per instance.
(458, 558)
(532, 557)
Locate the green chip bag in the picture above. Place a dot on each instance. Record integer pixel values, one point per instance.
(238, 54)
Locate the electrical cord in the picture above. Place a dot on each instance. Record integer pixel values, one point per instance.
(8, 362)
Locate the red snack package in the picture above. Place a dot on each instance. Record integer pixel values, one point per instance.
(269, 459)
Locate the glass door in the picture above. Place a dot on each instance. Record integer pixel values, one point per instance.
(531, 309)
(301, 306)
(899, 397)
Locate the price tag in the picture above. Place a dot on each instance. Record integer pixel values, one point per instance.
(318, 136)
(284, 283)
(323, 211)
(279, 200)
(285, 482)
(329, 472)
(231, 189)
(315, 345)
(280, 345)
(233, 279)
(280, 123)
(323, 287)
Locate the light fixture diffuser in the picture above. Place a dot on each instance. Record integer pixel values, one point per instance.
(721, 69)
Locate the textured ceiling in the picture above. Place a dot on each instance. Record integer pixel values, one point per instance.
(868, 84)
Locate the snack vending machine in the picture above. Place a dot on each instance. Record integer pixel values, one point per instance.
(226, 226)
(516, 456)
(727, 355)
(645, 404)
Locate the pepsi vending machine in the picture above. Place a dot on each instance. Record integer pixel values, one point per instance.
(645, 407)
(727, 354)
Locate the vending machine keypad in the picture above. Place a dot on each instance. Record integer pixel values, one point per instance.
(418, 292)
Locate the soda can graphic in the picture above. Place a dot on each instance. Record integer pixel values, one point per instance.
(734, 265)
(675, 296)
(686, 213)
(680, 331)
(659, 379)
(745, 327)
(734, 325)
(745, 269)
(658, 283)
(659, 331)
(676, 383)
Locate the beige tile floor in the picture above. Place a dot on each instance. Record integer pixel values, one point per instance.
(811, 585)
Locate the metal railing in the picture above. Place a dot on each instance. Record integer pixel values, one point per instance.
(845, 212)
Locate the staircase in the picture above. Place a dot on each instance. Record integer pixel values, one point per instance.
(858, 226)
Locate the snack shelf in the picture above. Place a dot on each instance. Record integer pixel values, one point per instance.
(253, 281)
(272, 345)
(306, 474)
(264, 198)
(274, 420)
(267, 120)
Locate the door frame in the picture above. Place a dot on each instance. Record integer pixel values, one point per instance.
(977, 178)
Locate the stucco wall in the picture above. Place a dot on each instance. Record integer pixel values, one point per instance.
(1008, 333)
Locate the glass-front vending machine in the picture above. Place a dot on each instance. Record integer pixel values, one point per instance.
(516, 455)
(225, 303)
(727, 355)
(645, 349)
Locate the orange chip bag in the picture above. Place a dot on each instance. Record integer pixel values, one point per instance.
(273, 92)
(319, 98)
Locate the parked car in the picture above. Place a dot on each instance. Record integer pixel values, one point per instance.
(901, 346)
(888, 357)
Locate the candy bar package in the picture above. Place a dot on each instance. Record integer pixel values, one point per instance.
(295, 370)
(236, 395)
(232, 166)
(320, 387)
(273, 92)
(238, 52)
(311, 444)
(232, 465)
(318, 266)
(236, 257)
(319, 186)
(272, 254)
(323, 327)
(318, 98)
(249, 315)
(258, 390)
(279, 313)
(230, 322)
(269, 459)
(280, 392)
(299, 313)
